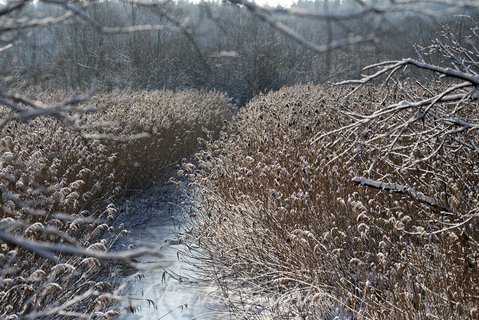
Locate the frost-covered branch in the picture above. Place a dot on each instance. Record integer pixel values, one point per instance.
(367, 7)
(265, 15)
(23, 108)
(47, 249)
(388, 66)
(433, 118)
(9, 24)
(360, 10)
(402, 189)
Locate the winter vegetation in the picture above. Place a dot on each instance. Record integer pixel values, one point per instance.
(336, 167)
(215, 46)
(356, 223)
(59, 186)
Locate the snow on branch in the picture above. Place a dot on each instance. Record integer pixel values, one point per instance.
(364, 8)
(402, 189)
(265, 15)
(436, 116)
(24, 109)
(393, 66)
(47, 249)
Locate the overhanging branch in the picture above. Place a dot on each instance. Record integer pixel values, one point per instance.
(402, 189)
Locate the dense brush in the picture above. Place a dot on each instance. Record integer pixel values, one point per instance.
(59, 181)
(281, 217)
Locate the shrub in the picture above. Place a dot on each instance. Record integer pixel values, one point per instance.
(59, 182)
(285, 227)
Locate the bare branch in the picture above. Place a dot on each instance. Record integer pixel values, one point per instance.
(419, 7)
(264, 15)
(13, 6)
(9, 24)
(46, 249)
(402, 189)
(38, 109)
(395, 65)
(61, 308)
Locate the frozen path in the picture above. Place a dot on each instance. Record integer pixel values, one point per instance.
(168, 287)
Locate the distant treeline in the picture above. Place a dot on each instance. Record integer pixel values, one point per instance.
(208, 45)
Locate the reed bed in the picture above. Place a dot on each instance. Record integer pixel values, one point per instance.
(288, 234)
(59, 183)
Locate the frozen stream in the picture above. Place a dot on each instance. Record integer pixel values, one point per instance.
(167, 288)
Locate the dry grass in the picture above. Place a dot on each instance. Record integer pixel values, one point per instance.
(59, 185)
(285, 227)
